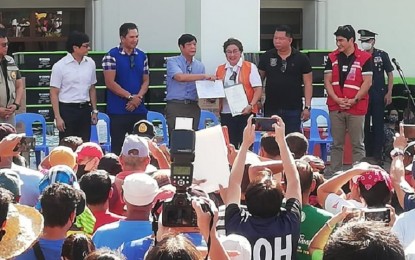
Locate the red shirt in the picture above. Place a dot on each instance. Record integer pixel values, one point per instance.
(105, 217)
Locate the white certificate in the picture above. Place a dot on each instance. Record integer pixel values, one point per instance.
(236, 97)
(210, 89)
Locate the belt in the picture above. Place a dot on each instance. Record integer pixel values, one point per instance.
(186, 101)
(77, 105)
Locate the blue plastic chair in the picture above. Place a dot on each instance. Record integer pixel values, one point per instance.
(207, 115)
(28, 119)
(257, 142)
(106, 147)
(156, 116)
(315, 135)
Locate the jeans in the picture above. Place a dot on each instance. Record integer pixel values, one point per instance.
(291, 118)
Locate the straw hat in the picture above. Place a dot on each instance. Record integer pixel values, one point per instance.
(23, 227)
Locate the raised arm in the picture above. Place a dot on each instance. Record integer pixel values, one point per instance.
(288, 163)
(233, 193)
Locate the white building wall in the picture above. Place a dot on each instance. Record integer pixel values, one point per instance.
(160, 22)
(392, 20)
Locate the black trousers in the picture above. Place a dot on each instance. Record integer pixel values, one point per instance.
(174, 110)
(77, 118)
(235, 126)
(121, 125)
(374, 135)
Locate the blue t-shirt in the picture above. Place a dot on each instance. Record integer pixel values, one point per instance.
(113, 235)
(270, 238)
(51, 250)
(138, 248)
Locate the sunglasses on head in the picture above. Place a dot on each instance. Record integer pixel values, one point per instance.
(132, 61)
(283, 66)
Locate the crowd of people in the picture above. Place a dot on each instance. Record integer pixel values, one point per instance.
(81, 203)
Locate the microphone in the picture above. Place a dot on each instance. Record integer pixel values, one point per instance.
(396, 64)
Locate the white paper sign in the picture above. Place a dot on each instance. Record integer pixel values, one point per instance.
(211, 161)
(237, 99)
(210, 89)
(184, 123)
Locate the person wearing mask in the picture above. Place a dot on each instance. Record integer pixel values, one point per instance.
(72, 89)
(286, 70)
(127, 78)
(347, 79)
(182, 72)
(237, 71)
(11, 84)
(380, 95)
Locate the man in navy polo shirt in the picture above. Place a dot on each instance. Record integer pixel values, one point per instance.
(127, 79)
(182, 72)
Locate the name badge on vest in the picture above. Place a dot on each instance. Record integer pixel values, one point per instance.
(344, 68)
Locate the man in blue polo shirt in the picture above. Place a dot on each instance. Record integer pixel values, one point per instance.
(182, 72)
(127, 79)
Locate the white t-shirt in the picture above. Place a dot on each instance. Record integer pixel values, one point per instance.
(73, 79)
(334, 203)
(404, 229)
(30, 185)
(254, 79)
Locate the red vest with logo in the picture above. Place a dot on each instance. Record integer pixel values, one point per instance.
(352, 83)
(243, 79)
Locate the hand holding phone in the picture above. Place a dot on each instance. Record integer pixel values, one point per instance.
(264, 123)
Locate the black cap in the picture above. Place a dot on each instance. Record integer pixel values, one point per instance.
(366, 35)
(144, 128)
(346, 31)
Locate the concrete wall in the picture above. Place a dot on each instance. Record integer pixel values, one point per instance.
(219, 24)
(160, 22)
(392, 20)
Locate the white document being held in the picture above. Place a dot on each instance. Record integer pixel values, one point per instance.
(211, 161)
(210, 89)
(237, 99)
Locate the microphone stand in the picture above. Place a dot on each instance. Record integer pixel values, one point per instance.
(407, 90)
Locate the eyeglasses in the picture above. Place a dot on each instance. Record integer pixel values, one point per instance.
(233, 77)
(232, 52)
(4, 44)
(344, 27)
(132, 61)
(189, 68)
(283, 66)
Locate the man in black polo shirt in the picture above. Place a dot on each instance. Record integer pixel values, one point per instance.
(286, 69)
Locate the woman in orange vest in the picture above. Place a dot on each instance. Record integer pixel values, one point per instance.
(237, 71)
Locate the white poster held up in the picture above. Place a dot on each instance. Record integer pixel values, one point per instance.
(211, 160)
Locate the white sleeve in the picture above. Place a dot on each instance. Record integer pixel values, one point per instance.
(254, 77)
(56, 77)
(93, 72)
(334, 203)
(399, 229)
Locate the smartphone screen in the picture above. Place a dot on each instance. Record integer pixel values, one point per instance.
(264, 123)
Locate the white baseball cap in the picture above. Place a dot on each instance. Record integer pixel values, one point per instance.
(135, 145)
(139, 189)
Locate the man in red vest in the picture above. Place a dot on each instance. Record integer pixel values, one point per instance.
(347, 79)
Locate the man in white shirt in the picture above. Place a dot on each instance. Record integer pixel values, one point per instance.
(72, 89)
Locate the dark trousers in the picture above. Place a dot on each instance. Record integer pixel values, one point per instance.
(291, 118)
(174, 110)
(374, 138)
(121, 125)
(235, 126)
(77, 120)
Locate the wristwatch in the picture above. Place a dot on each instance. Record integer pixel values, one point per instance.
(17, 106)
(95, 111)
(130, 97)
(356, 100)
(308, 108)
(396, 152)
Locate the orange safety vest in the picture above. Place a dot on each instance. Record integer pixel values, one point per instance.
(352, 83)
(243, 79)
